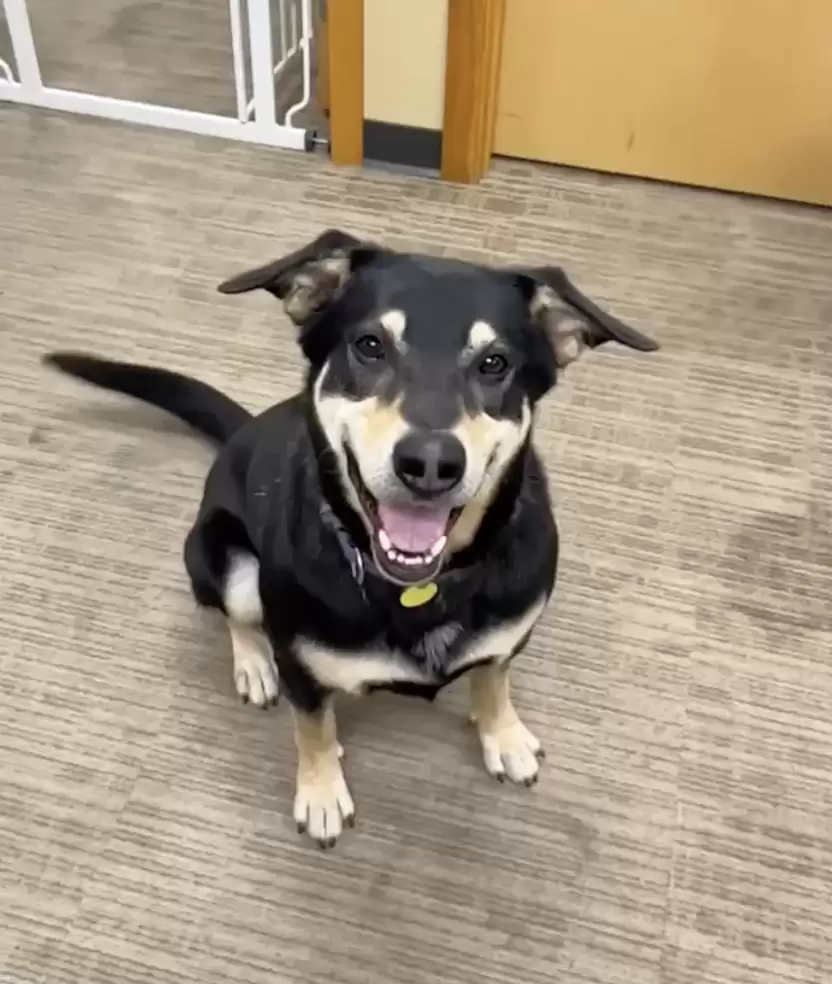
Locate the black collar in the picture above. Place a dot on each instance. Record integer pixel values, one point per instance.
(362, 565)
(358, 561)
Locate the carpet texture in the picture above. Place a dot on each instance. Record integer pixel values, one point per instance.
(681, 681)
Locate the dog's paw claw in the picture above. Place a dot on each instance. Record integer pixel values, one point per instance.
(255, 677)
(323, 805)
(512, 752)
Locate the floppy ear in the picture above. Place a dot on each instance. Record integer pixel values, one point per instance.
(308, 279)
(570, 319)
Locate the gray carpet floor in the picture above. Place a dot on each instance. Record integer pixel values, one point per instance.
(681, 680)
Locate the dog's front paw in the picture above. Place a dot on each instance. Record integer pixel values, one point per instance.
(255, 673)
(513, 751)
(323, 804)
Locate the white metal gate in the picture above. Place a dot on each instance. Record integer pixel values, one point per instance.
(254, 78)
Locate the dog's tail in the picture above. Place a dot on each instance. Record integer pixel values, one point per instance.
(206, 410)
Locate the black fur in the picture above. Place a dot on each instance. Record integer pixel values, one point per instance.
(264, 494)
(275, 491)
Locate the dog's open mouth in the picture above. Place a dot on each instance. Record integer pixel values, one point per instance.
(409, 541)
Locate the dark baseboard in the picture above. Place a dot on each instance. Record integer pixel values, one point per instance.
(410, 146)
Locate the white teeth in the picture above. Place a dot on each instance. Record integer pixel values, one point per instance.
(410, 560)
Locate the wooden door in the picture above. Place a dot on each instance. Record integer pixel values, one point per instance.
(733, 94)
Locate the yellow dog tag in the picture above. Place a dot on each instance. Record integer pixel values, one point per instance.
(419, 594)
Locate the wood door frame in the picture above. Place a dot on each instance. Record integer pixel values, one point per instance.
(343, 30)
(472, 76)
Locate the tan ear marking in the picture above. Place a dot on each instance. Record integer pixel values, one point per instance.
(315, 284)
(310, 277)
(553, 293)
(543, 299)
(568, 346)
(566, 331)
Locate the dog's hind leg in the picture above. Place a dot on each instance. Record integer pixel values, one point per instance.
(226, 576)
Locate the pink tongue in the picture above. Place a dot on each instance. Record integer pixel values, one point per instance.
(413, 530)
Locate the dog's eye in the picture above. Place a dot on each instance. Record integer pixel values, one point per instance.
(494, 366)
(369, 348)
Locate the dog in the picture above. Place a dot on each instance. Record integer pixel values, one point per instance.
(390, 526)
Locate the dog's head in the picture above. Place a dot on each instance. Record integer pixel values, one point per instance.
(424, 376)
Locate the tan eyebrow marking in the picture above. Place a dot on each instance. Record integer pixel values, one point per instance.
(394, 323)
(480, 335)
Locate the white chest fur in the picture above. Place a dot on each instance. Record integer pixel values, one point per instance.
(354, 672)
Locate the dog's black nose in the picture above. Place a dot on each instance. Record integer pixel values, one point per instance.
(429, 463)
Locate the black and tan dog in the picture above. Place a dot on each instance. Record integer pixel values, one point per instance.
(390, 526)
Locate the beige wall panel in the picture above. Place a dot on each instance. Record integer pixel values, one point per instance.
(404, 61)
